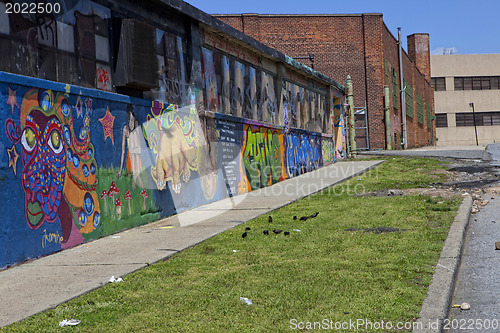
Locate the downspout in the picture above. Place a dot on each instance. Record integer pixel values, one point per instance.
(387, 101)
(403, 104)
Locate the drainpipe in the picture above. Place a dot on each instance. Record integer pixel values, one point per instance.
(352, 130)
(387, 101)
(403, 104)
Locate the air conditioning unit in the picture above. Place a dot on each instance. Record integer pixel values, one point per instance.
(136, 64)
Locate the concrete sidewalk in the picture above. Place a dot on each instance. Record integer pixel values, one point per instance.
(42, 284)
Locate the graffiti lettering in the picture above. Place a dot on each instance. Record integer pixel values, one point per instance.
(262, 157)
(103, 78)
(302, 154)
(51, 237)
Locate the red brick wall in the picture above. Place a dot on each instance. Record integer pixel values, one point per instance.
(354, 45)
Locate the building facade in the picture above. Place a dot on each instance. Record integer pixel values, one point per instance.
(467, 97)
(117, 113)
(359, 45)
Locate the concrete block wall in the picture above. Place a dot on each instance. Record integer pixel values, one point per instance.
(78, 164)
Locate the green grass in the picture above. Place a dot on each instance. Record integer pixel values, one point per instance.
(321, 272)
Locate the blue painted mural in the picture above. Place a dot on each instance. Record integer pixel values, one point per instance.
(78, 164)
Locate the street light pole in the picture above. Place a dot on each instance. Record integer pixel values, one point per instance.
(474, 120)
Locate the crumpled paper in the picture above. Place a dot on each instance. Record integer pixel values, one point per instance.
(113, 279)
(69, 322)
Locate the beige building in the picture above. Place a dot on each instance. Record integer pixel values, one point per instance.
(466, 93)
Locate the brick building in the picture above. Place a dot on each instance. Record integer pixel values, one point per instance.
(359, 45)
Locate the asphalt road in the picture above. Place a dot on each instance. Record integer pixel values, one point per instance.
(478, 282)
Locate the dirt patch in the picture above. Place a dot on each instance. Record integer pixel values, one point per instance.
(378, 230)
(475, 169)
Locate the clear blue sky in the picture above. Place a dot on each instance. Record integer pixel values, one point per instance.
(466, 27)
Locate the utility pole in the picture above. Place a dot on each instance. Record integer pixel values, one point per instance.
(474, 121)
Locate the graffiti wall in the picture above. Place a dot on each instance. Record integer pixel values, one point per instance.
(237, 88)
(77, 164)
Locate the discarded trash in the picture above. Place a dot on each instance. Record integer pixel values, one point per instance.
(246, 300)
(113, 279)
(395, 193)
(69, 322)
(115, 236)
(359, 178)
(463, 306)
(236, 251)
(167, 227)
(296, 230)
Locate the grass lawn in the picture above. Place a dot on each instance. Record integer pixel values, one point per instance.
(323, 273)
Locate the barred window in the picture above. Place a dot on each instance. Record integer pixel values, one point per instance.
(477, 82)
(438, 83)
(441, 120)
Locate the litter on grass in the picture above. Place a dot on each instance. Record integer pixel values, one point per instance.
(296, 230)
(69, 322)
(113, 279)
(246, 300)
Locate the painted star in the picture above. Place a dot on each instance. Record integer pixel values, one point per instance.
(107, 124)
(12, 100)
(13, 156)
(78, 107)
(88, 105)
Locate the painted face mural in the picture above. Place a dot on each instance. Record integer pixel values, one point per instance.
(172, 136)
(59, 168)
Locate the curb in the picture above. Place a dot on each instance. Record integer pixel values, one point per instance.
(436, 306)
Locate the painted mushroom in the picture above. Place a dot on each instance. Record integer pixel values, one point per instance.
(144, 195)
(128, 197)
(118, 207)
(103, 197)
(113, 190)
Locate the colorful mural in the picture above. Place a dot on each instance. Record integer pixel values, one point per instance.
(58, 165)
(262, 152)
(303, 152)
(328, 151)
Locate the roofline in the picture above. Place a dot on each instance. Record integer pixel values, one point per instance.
(297, 15)
(209, 20)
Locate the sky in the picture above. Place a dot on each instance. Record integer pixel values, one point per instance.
(456, 26)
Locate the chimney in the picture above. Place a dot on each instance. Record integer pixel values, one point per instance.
(418, 51)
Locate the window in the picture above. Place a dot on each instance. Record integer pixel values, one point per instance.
(438, 83)
(408, 99)
(395, 100)
(477, 83)
(441, 120)
(420, 109)
(467, 119)
(386, 70)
